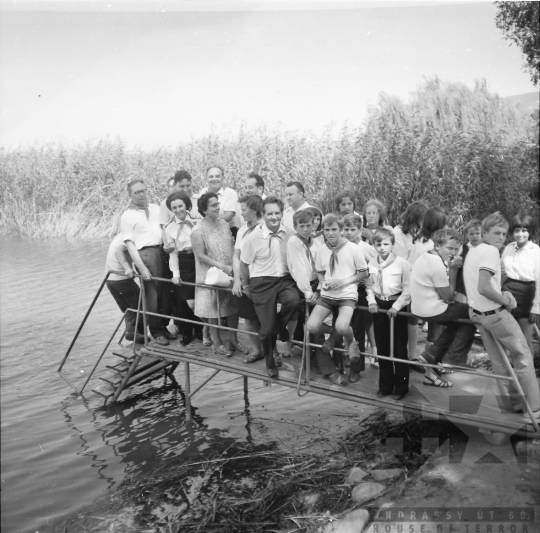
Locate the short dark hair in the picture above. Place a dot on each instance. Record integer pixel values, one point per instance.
(258, 179)
(132, 182)
(332, 218)
(303, 215)
(523, 221)
(202, 202)
(352, 219)
(383, 233)
(182, 175)
(178, 196)
(272, 200)
(254, 202)
(298, 185)
(344, 194)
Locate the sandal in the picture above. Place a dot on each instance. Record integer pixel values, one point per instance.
(237, 347)
(253, 357)
(221, 350)
(437, 382)
(443, 370)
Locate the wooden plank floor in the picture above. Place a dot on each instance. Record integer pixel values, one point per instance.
(470, 402)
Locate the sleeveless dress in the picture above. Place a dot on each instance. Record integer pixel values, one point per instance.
(219, 246)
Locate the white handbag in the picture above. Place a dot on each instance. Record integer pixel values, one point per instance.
(217, 277)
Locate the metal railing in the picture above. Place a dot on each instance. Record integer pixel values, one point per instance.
(306, 344)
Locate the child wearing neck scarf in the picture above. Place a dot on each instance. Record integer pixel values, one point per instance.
(387, 293)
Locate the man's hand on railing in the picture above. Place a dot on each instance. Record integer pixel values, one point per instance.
(145, 274)
(373, 308)
(392, 312)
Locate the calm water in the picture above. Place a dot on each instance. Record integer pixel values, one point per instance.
(61, 452)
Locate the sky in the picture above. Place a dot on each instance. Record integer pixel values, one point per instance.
(158, 73)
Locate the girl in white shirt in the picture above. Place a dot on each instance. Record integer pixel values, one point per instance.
(521, 264)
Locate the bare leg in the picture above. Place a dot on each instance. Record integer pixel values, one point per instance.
(214, 332)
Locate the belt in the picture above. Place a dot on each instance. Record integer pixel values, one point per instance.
(487, 313)
(147, 247)
(190, 251)
(520, 281)
(390, 298)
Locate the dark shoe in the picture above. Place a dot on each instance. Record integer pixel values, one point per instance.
(272, 372)
(337, 379)
(161, 340)
(277, 361)
(416, 368)
(199, 333)
(138, 339)
(399, 395)
(186, 338)
(381, 394)
(170, 336)
(354, 377)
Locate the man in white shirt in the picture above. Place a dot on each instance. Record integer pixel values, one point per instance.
(490, 311)
(141, 232)
(266, 279)
(254, 185)
(295, 195)
(228, 198)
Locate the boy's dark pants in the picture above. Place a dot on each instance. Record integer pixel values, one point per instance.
(458, 336)
(266, 292)
(393, 376)
(126, 294)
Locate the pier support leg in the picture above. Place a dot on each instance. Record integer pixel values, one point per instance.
(187, 393)
(246, 399)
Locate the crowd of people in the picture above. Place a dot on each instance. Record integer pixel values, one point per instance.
(337, 262)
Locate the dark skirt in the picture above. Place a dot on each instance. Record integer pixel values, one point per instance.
(186, 263)
(523, 292)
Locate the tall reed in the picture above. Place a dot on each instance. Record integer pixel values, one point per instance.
(467, 150)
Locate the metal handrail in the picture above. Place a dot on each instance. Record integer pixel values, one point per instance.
(305, 345)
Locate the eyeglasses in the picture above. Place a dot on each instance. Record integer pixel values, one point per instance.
(143, 191)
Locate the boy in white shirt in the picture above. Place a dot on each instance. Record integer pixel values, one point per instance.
(432, 294)
(340, 266)
(490, 311)
(388, 289)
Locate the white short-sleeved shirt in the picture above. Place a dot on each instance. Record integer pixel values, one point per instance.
(301, 262)
(228, 201)
(482, 257)
(428, 272)
(266, 256)
(166, 216)
(368, 252)
(243, 233)
(420, 248)
(289, 212)
(403, 247)
(143, 231)
(350, 261)
(523, 264)
(111, 263)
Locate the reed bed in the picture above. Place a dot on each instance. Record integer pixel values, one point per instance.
(465, 149)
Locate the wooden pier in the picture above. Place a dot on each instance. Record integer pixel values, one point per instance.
(472, 401)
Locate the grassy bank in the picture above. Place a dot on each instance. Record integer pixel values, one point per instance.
(467, 150)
